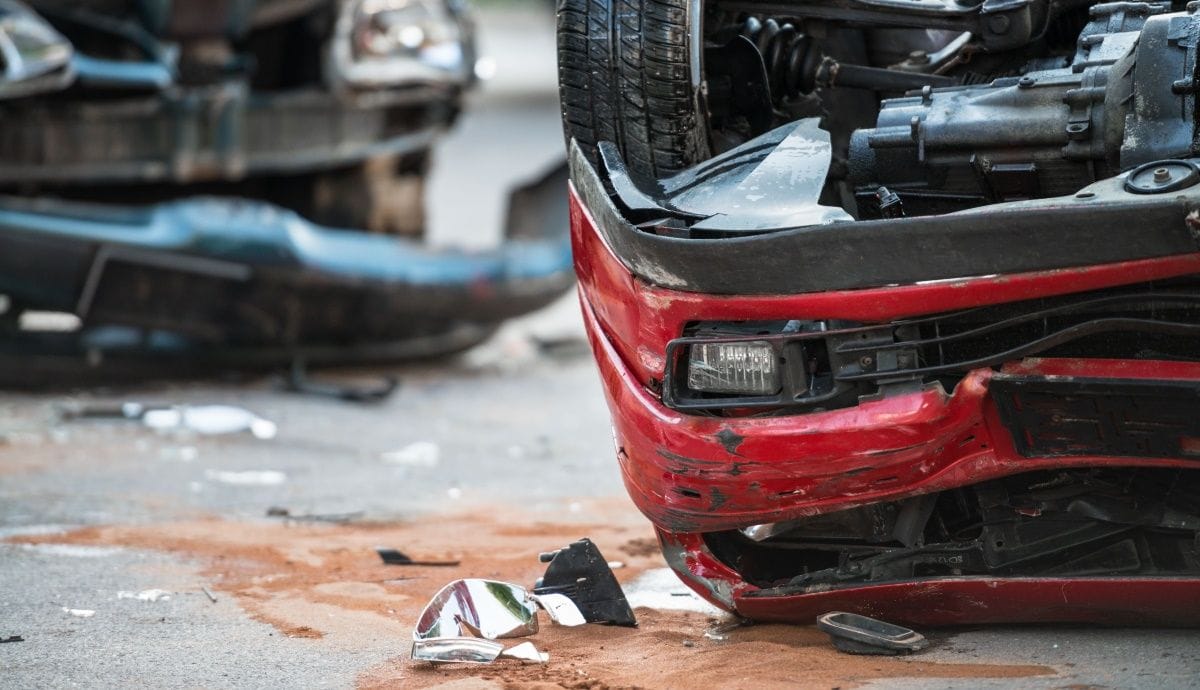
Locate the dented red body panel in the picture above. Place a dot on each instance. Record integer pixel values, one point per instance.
(1162, 601)
(692, 474)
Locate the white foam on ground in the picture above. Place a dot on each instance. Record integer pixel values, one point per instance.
(661, 589)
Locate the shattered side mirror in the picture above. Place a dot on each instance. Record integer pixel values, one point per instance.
(462, 621)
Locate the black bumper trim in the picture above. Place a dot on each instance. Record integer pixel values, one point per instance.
(1110, 227)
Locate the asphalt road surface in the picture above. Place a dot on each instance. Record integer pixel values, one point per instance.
(110, 533)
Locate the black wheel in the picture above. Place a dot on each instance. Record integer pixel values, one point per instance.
(629, 72)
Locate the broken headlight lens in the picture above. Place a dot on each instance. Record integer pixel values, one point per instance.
(383, 43)
(745, 368)
(34, 57)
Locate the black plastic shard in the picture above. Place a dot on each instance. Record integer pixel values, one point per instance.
(580, 573)
(398, 557)
(855, 634)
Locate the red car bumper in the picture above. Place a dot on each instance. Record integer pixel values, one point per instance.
(694, 474)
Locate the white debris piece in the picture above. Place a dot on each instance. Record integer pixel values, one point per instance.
(561, 609)
(81, 613)
(146, 595)
(247, 478)
(74, 550)
(526, 652)
(419, 454)
(209, 420)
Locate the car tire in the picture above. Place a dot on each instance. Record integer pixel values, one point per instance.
(629, 73)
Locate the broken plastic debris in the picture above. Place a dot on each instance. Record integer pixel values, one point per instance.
(200, 419)
(855, 634)
(561, 609)
(247, 478)
(526, 651)
(11, 638)
(298, 380)
(581, 573)
(277, 511)
(397, 557)
(720, 631)
(419, 454)
(482, 608)
(209, 420)
(81, 613)
(146, 595)
(208, 593)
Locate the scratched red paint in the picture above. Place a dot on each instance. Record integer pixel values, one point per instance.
(680, 472)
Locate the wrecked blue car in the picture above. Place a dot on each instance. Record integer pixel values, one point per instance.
(241, 182)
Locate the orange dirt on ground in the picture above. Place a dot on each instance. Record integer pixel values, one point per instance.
(325, 582)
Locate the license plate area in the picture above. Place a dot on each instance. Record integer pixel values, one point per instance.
(1068, 416)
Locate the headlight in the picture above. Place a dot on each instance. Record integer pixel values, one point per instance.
(744, 368)
(383, 43)
(33, 56)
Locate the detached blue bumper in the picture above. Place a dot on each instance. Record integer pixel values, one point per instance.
(229, 273)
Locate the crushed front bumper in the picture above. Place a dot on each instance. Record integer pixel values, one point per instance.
(694, 474)
(218, 282)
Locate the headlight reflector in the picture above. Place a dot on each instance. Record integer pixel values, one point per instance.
(386, 43)
(748, 367)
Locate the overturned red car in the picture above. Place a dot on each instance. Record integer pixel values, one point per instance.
(897, 305)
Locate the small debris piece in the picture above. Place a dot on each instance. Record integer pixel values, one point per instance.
(689, 643)
(855, 634)
(419, 454)
(581, 572)
(298, 381)
(526, 651)
(277, 511)
(248, 478)
(200, 419)
(560, 609)
(129, 410)
(719, 631)
(81, 613)
(616, 565)
(11, 638)
(397, 557)
(208, 593)
(209, 420)
(146, 595)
